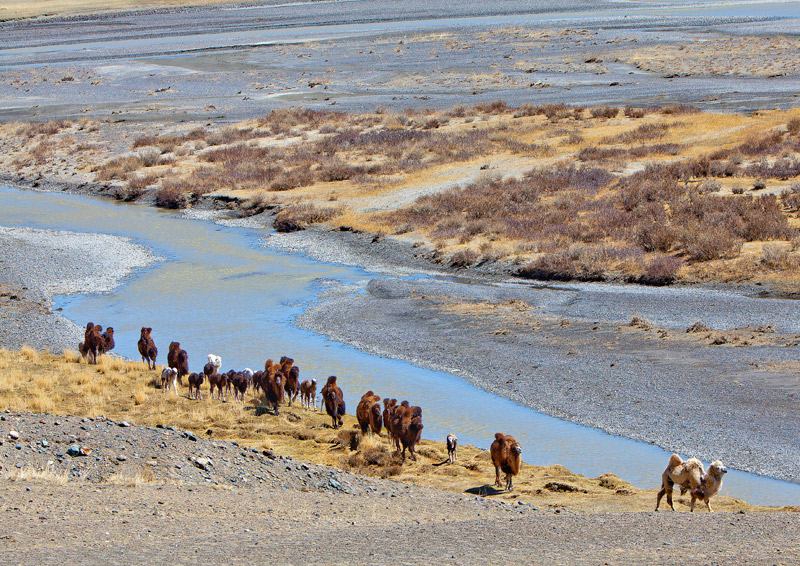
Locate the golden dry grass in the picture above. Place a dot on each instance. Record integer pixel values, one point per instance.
(46, 474)
(125, 390)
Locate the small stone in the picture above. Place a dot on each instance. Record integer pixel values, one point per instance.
(124, 424)
(74, 450)
(45, 443)
(121, 458)
(202, 463)
(191, 437)
(13, 434)
(334, 484)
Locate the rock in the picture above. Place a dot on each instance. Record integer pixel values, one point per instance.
(13, 434)
(191, 437)
(45, 443)
(74, 450)
(122, 458)
(202, 463)
(334, 484)
(124, 424)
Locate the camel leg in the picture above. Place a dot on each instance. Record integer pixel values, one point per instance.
(497, 476)
(661, 493)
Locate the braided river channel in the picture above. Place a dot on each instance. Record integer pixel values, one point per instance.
(218, 290)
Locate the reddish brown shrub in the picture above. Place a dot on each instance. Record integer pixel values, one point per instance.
(661, 270)
(604, 112)
(680, 109)
(170, 196)
(463, 258)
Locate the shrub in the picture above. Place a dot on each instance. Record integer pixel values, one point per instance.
(698, 327)
(496, 107)
(337, 170)
(791, 199)
(48, 128)
(300, 216)
(661, 270)
(170, 196)
(680, 109)
(642, 133)
(554, 112)
(604, 112)
(583, 263)
(149, 157)
(705, 245)
(291, 179)
(255, 205)
(770, 144)
(632, 112)
(593, 153)
(776, 257)
(793, 126)
(134, 188)
(463, 258)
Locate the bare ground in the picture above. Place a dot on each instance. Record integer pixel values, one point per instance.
(159, 500)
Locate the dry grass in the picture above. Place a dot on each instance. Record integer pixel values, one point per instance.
(125, 390)
(47, 474)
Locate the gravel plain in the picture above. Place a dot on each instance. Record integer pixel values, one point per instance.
(146, 495)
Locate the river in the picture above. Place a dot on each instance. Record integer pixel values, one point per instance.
(218, 291)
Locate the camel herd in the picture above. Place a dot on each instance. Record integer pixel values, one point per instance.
(403, 422)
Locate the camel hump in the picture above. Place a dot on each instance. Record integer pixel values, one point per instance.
(499, 436)
(675, 461)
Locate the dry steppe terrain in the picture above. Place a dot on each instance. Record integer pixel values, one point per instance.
(649, 195)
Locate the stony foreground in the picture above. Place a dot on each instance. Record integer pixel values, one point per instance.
(162, 493)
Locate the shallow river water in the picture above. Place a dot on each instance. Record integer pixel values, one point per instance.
(218, 291)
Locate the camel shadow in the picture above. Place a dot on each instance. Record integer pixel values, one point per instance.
(485, 490)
